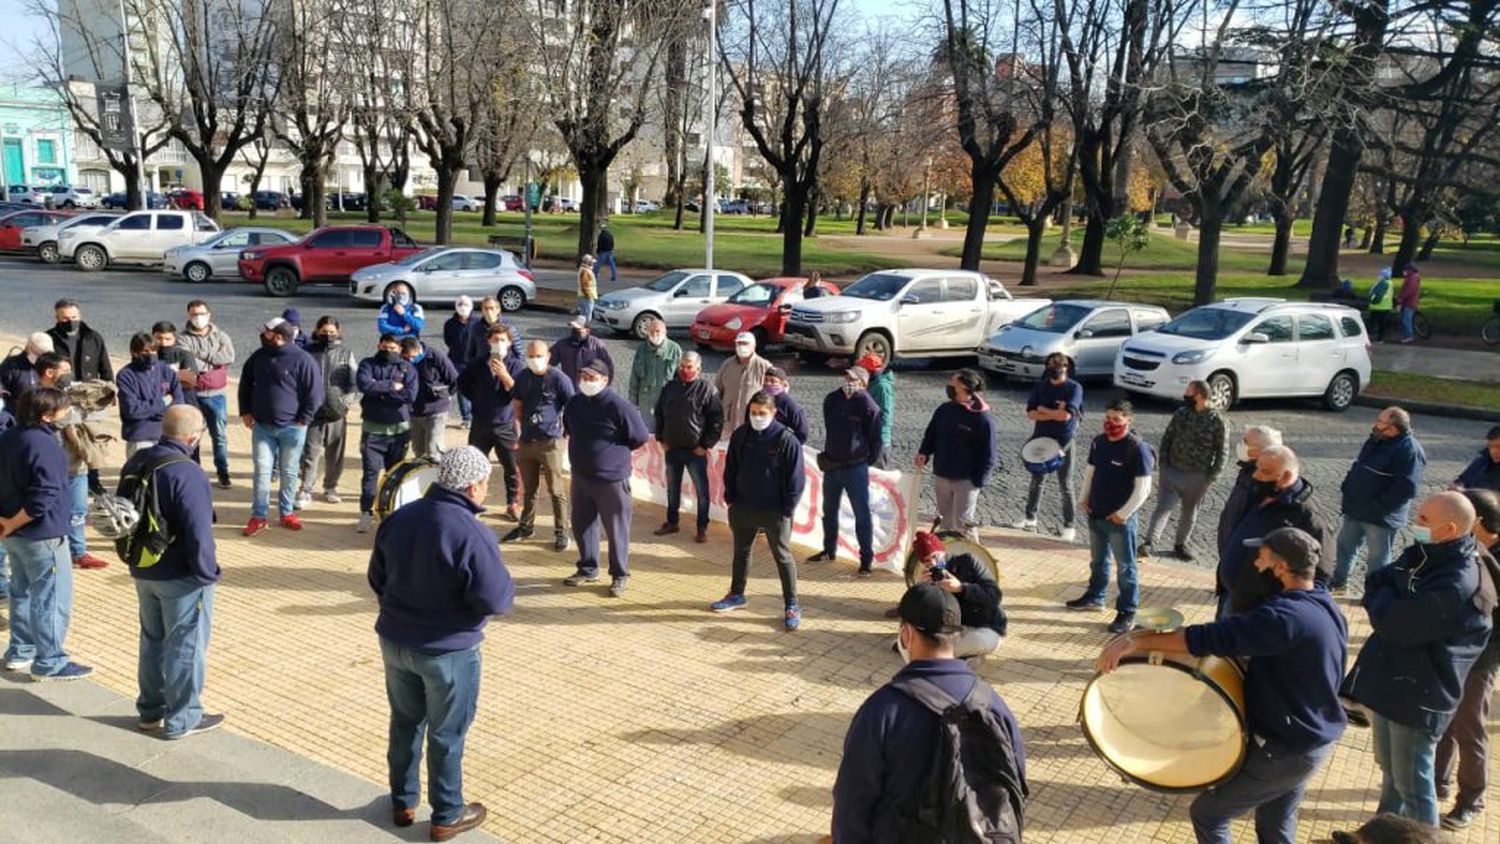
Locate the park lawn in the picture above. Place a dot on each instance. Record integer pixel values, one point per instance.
(1479, 251)
(1300, 228)
(1442, 391)
(1165, 252)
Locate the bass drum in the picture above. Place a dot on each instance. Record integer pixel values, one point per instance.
(404, 483)
(955, 543)
(1166, 722)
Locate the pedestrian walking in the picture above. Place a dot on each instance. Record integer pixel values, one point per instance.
(688, 419)
(1381, 302)
(588, 288)
(456, 338)
(1377, 494)
(18, 370)
(1241, 498)
(580, 349)
(81, 445)
(959, 444)
(653, 366)
(538, 399)
(489, 383)
(739, 378)
(1483, 472)
(437, 381)
(145, 388)
(1116, 482)
(328, 435)
(84, 349)
(1193, 452)
(176, 590)
(387, 389)
(401, 316)
(438, 576)
(882, 389)
(1055, 407)
(603, 429)
(1409, 299)
(280, 392)
(605, 249)
(213, 354)
(851, 423)
(788, 411)
(763, 481)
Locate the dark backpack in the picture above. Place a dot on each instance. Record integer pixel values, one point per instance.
(143, 546)
(974, 793)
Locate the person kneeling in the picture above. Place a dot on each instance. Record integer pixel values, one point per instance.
(973, 585)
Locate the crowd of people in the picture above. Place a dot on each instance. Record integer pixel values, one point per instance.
(1422, 681)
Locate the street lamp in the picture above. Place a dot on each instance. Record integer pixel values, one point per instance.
(710, 116)
(926, 198)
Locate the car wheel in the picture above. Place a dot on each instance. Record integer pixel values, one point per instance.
(47, 253)
(512, 299)
(638, 326)
(873, 343)
(1341, 392)
(197, 272)
(281, 281)
(91, 258)
(70, 205)
(1222, 392)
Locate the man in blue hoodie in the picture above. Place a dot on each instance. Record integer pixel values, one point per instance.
(387, 387)
(851, 422)
(176, 593)
(145, 388)
(281, 389)
(1296, 642)
(763, 480)
(1377, 493)
(437, 381)
(487, 383)
(34, 515)
(960, 443)
(788, 411)
(1430, 612)
(1483, 472)
(603, 429)
(439, 576)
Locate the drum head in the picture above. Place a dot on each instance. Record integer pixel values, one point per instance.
(954, 543)
(1163, 726)
(404, 483)
(1040, 450)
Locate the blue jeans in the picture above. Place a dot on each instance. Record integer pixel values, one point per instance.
(78, 516)
(216, 419)
(1408, 317)
(4, 576)
(465, 408)
(586, 308)
(175, 618)
(1271, 783)
(679, 459)
(603, 259)
(282, 446)
(436, 693)
(1107, 539)
(853, 481)
(41, 601)
(1406, 757)
(1377, 541)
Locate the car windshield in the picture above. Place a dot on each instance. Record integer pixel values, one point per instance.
(409, 260)
(1207, 323)
(881, 287)
(1055, 319)
(666, 282)
(755, 294)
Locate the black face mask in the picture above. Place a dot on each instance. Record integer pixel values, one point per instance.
(1267, 584)
(578, 336)
(327, 340)
(63, 382)
(952, 393)
(267, 343)
(1261, 489)
(1189, 402)
(388, 356)
(1054, 374)
(68, 326)
(146, 359)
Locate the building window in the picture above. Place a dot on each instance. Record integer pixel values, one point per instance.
(46, 151)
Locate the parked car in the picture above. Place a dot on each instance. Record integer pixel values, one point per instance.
(426, 201)
(463, 202)
(185, 199)
(907, 313)
(675, 298)
(347, 201)
(43, 238)
(1088, 331)
(12, 224)
(76, 196)
(271, 200)
(734, 206)
(1253, 348)
(220, 255)
(118, 202)
(329, 255)
(512, 203)
(443, 273)
(760, 309)
(25, 194)
(645, 206)
(140, 237)
(560, 203)
(229, 200)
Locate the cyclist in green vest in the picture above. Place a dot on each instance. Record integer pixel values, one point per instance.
(1382, 298)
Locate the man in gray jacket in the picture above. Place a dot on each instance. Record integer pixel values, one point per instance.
(327, 434)
(213, 354)
(1193, 453)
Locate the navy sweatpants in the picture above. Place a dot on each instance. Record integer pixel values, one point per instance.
(595, 503)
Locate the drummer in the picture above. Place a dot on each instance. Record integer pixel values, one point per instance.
(1056, 404)
(1295, 642)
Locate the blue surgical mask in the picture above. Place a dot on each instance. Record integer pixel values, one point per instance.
(1421, 533)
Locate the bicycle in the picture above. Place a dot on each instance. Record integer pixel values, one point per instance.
(1490, 331)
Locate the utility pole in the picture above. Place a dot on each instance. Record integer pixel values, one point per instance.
(926, 199)
(710, 117)
(135, 136)
(526, 207)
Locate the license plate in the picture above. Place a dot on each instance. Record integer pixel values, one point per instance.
(799, 340)
(1132, 378)
(704, 334)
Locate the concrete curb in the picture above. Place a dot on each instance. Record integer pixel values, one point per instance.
(1454, 411)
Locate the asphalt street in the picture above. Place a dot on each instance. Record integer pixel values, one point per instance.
(120, 302)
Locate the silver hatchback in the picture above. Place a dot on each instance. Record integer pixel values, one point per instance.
(443, 273)
(220, 254)
(1089, 331)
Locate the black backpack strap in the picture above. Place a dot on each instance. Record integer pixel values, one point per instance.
(932, 696)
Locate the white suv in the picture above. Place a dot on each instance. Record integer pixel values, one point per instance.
(1252, 348)
(140, 237)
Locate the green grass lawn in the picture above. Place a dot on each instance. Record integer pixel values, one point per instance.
(1404, 385)
(1166, 252)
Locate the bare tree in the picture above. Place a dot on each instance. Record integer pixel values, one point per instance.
(381, 41)
(508, 127)
(314, 62)
(256, 155)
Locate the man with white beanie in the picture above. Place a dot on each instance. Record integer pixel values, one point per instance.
(741, 377)
(18, 371)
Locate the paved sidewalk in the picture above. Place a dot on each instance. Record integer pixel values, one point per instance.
(1437, 362)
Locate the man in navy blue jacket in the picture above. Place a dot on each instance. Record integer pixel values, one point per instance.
(177, 592)
(145, 388)
(851, 441)
(1483, 472)
(541, 393)
(437, 381)
(456, 338)
(1378, 491)
(281, 389)
(1056, 405)
(1116, 482)
(763, 481)
(1431, 620)
(960, 443)
(891, 741)
(438, 575)
(1296, 642)
(35, 509)
(788, 411)
(579, 349)
(603, 429)
(387, 387)
(486, 383)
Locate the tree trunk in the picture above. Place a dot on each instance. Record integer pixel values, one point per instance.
(1036, 226)
(255, 178)
(373, 189)
(810, 228)
(317, 197)
(1411, 235)
(677, 217)
(213, 173)
(134, 189)
(1377, 239)
(591, 212)
(791, 234)
(1281, 247)
(1205, 280)
(864, 199)
(1429, 244)
(1368, 238)
(447, 183)
(304, 181)
(491, 197)
(983, 197)
(672, 107)
(1322, 268)
(1091, 252)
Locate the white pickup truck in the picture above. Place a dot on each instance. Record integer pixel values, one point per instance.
(906, 313)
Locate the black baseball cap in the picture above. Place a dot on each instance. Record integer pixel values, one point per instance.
(1294, 545)
(930, 610)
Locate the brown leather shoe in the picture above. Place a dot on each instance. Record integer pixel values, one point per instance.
(403, 817)
(666, 529)
(702, 535)
(474, 815)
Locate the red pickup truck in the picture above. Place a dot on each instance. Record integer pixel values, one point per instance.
(325, 256)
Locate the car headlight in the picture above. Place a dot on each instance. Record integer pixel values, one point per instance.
(734, 324)
(614, 304)
(1195, 356)
(839, 317)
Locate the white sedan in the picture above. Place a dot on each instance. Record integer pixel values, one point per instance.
(44, 238)
(443, 273)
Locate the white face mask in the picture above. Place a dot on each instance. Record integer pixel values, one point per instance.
(198, 321)
(760, 423)
(497, 350)
(592, 387)
(742, 351)
(1242, 451)
(537, 365)
(657, 339)
(463, 311)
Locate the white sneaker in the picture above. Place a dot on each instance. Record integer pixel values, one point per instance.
(304, 499)
(1023, 524)
(331, 497)
(1068, 534)
(18, 665)
(366, 523)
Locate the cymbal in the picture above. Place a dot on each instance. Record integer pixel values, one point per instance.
(1158, 619)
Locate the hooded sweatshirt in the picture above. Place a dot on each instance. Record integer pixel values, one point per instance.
(381, 402)
(34, 477)
(763, 469)
(280, 386)
(603, 430)
(1384, 479)
(140, 390)
(960, 440)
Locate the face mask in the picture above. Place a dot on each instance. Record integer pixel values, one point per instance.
(267, 343)
(1268, 584)
(400, 298)
(329, 339)
(1054, 374)
(656, 340)
(579, 334)
(742, 352)
(850, 389)
(387, 356)
(1242, 451)
(1190, 402)
(147, 359)
(63, 382)
(687, 375)
(760, 423)
(537, 365)
(491, 316)
(591, 388)
(1261, 489)
(774, 389)
(1375, 433)
(952, 393)
(1116, 430)
(463, 311)
(1421, 533)
(497, 350)
(198, 321)
(68, 326)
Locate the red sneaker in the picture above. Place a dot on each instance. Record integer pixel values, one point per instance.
(89, 561)
(291, 522)
(255, 526)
